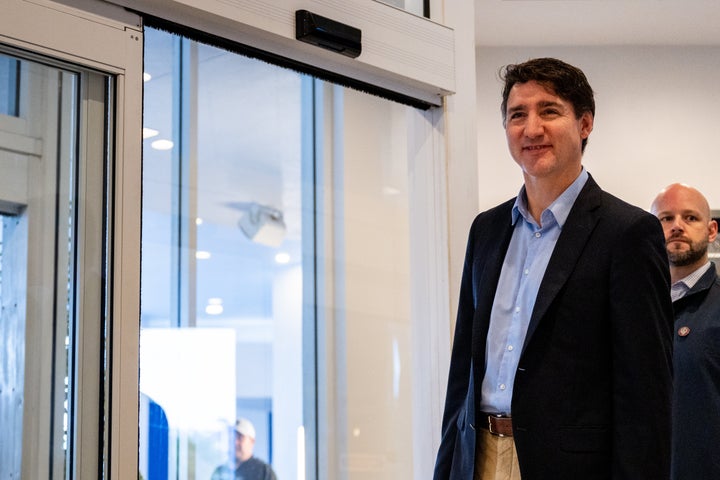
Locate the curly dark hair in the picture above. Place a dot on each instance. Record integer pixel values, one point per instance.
(568, 82)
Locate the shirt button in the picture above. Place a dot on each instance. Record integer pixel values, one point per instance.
(510, 348)
(517, 309)
(526, 272)
(502, 386)
(538, 234)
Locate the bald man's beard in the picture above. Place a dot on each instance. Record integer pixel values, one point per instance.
(693, 254)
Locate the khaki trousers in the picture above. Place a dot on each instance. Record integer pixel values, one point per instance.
(496, 458)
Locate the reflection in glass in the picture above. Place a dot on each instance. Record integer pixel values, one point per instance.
(416, 7)
(221, 318)
(374, 341)
(9, 91)
(275, 270)
(39, 319)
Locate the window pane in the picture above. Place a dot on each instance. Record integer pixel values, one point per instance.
(277, 217)
(49, 375)
(369, 357)
(9, 92)
(416, 7)
(378, 297)
(222, 289)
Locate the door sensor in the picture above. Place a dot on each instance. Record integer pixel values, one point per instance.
(328, 34)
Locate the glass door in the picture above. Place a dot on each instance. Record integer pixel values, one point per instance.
(275, 274)
(53, 159)
(222, 272)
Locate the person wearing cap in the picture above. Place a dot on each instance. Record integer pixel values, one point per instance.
(684, 213)
(244, 466)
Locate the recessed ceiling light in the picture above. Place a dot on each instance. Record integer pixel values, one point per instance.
(162, 144)
(149, 132)
(202, 255)
(146, 77)
(213, 309)
(282, 258)
(214, 306)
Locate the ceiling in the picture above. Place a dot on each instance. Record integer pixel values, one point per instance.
(596, 22)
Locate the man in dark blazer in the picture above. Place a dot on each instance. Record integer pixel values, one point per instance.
(561, 366)
(689, 228)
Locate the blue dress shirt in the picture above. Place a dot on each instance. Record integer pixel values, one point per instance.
(522, 272)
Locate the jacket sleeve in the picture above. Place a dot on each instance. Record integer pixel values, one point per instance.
(458, 377)
(642, 323)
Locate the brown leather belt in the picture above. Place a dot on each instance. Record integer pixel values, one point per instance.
(500, 425)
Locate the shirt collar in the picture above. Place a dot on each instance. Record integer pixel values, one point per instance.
(559, 208)
(693, 278)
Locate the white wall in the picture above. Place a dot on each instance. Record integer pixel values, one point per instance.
(655, 123)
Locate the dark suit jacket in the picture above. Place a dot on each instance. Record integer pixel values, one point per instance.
(696, 402)
(593, 388)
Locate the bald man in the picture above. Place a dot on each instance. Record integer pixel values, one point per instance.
(685, 216)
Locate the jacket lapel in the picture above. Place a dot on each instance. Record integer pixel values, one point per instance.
(575, 233)
(490, 275)
(701, 287)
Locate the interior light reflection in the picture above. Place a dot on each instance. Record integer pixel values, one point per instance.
(162, 144)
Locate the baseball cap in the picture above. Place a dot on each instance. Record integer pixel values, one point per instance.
(244, 427)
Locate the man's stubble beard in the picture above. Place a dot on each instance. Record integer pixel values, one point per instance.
(692, 255)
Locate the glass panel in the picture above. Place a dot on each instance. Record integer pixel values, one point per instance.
(9, 92)
(417, 7)
(378, 350)
(12, 353)
(231, 265)
(368, 362)
(40, 318)
(221, 316)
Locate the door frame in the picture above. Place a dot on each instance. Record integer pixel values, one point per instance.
(108, 39)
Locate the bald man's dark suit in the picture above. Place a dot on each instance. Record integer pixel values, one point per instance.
(592, 391)
(696, 404)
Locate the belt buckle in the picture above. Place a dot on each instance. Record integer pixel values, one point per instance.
(490, 425)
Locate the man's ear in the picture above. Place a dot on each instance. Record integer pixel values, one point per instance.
(713, 230)
(586, 124)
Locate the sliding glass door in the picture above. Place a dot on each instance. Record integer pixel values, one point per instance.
(53, 157)
(221, 315)
(275, 271)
